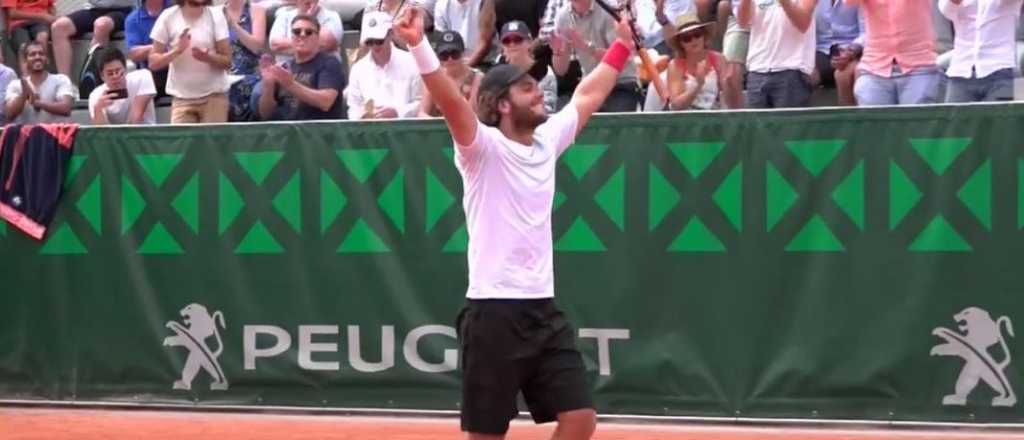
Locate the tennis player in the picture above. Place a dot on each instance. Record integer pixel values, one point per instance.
(513, 338)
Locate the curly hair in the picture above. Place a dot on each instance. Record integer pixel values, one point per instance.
(487, 106)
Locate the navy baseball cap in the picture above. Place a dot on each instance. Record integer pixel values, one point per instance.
(448, 41)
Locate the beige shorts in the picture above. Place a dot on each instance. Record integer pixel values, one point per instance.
(208, 109)
(736, 43)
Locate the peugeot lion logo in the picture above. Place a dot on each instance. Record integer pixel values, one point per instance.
(978, 332)
(192, 333)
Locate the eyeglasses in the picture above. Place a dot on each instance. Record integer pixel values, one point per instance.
(449, 55)
(513, 40)
(374, 42)
(690, 36)
(304, 32)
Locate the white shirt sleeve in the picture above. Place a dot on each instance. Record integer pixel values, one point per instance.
(64, 87)
(354, 96)
(948, 9)
(94, 97)
(441, 23)
(410, 109)
(562, 128)
(332, 22)
(144, 85)
(279, 30)
(220, 24)
(647, 22)
(467, 155)
(160, 32)
(13, 90)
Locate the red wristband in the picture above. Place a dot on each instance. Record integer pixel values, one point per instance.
(616, 56)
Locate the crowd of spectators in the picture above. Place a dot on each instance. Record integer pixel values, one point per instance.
(263, 60)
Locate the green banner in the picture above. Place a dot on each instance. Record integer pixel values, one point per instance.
(847, 264)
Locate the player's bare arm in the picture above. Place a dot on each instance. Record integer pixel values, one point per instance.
(457, 112)
(595, 87)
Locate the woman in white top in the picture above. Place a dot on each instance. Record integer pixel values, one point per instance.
(696, 76)
(193, 39)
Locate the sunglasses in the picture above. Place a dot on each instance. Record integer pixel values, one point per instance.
(513, 40)
(449, 55)
(374, 42)
(196, 4)
(690, 36)
(304, 32)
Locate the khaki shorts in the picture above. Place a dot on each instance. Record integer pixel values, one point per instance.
(208, 109)
(736, 43)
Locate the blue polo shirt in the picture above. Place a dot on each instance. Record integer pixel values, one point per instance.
(138, 25)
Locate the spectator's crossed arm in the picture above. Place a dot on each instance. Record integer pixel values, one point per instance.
(487, 23)
(65, 99)
(799, 12)
(331, 32)
(139, 44)
(280, 39)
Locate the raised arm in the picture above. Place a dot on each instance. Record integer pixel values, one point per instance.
(745, 13)
(457, 112)
(595, 87)
(800, 13)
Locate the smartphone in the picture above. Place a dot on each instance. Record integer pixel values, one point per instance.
(118, 93)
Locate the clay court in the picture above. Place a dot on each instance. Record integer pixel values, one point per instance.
(97, 424)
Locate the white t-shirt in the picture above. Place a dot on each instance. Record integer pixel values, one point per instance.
(397, 85)
(189, 77)
(776, 44)
(55, 86)
(509, 191)
(461, 17)
(138, 83)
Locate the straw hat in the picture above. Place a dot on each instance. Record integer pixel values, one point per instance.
(688, 22)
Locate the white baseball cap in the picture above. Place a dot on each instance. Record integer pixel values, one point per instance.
(376, 25)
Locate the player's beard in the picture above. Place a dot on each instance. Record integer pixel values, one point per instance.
(524, 117)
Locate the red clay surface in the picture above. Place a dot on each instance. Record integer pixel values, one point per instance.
(76, 424)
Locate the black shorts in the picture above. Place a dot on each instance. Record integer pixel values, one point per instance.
(510, 346)
(83, 19)
(26, 32)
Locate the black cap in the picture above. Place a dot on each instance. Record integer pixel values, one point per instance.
(448, 41)
(515, 28)
(500, 78)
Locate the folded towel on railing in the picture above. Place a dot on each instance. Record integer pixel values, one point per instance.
(33, 163)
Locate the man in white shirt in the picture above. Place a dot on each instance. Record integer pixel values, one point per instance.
(383, 85)
(193, 40)
(651, 23)
(462, 16)
(122, 98)
(513, 337)
(984, 50)
(39, 97)
(331, 29)
(585, 32)
(781, 55)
